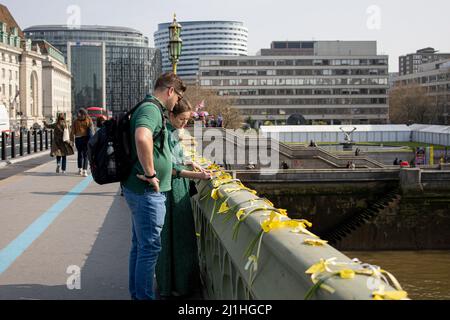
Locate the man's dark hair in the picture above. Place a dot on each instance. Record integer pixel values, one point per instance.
(170, 80)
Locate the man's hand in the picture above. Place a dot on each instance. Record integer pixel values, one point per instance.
(153, 182)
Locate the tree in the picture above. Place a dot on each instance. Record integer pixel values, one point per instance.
(216, 105)
(411, 104)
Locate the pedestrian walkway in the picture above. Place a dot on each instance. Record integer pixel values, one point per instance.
(50, 222)
(15, 166)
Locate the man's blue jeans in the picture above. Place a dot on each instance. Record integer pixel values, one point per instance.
(148, 214)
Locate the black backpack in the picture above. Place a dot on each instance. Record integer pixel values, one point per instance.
(110, 149)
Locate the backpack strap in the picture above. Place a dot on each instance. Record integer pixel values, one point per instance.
(161, 134)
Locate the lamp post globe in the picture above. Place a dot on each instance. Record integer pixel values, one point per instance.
(175, 43)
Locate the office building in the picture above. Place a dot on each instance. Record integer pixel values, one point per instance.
(410, 63)
(326, 82)
(34, 79)
(435, 77)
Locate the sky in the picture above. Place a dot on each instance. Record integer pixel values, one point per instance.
(399, 27)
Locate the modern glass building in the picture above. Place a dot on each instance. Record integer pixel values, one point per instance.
(202, 38)
(87, 64)
(130, 66)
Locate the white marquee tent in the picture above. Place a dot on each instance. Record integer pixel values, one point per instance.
(431, 134)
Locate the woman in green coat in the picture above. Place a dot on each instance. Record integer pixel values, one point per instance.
(177, 270)
(60, 149)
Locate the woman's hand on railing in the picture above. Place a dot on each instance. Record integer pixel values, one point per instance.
(204, 175)
(195, 166)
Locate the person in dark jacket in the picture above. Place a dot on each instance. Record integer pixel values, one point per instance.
(60, 149)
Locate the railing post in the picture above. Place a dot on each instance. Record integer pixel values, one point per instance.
(3, 145)
(46, 139)
(29, 141)
(21, 143)
(41, 141)
(35, 141)
(51, 137)
(13, 145)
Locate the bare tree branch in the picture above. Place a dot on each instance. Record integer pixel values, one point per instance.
(216, 105)
(411, 104)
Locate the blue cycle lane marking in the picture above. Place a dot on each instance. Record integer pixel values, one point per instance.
(19, 245)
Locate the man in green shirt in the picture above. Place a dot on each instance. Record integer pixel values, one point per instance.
(148, 182)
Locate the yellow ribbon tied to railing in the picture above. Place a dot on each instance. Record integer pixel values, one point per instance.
(326, 269)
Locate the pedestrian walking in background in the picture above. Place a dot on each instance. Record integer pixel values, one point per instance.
(82, 130)
(220, 121)
(100, 121)
(61, 146)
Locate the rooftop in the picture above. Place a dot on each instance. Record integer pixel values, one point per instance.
(6, 17)
(89, 28)
(187, 23)
(47, 48)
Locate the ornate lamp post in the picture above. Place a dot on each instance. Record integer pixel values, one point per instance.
(175, 43)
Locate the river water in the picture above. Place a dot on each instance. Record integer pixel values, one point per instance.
(425, 275)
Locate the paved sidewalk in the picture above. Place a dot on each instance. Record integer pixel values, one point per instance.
(91, 230)
(16, 166)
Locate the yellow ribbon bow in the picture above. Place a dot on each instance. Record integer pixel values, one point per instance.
(390, 295)
(224, 207)
(215, 194)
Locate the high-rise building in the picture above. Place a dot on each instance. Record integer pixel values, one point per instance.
(88, 66)
(333, 82)
(410, 63)
(202, 38)
(130, 66)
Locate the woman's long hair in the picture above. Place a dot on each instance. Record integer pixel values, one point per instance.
(182, 107)
(61, 121)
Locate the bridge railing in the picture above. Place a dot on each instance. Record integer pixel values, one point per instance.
(17, 144)
(279, 253)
